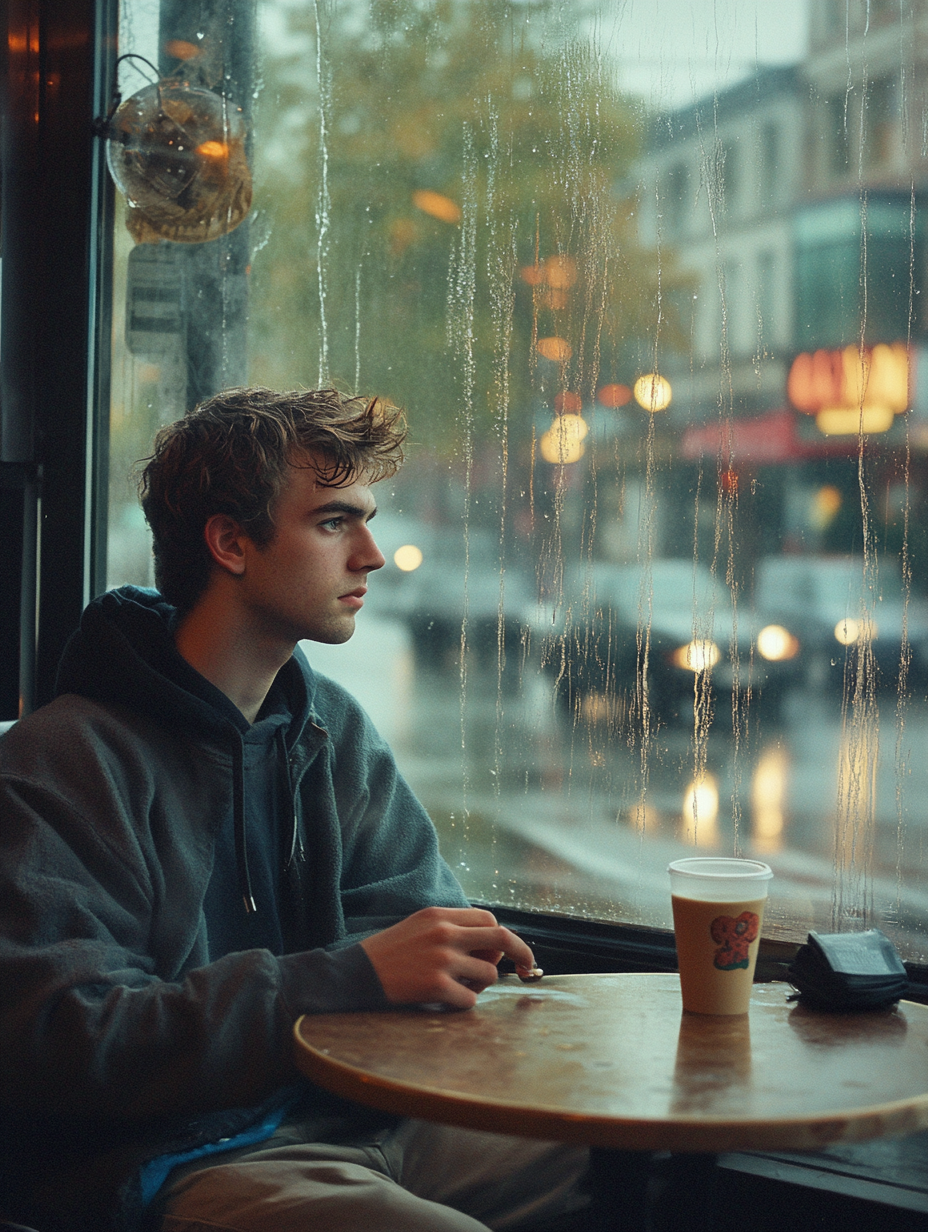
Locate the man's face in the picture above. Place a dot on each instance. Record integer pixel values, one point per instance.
(310, 580)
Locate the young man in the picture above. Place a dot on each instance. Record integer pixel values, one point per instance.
(201, 840)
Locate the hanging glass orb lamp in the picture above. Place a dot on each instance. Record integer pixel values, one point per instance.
(177, 153)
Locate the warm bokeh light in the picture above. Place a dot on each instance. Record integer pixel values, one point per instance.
(776, 644)
(556, 349)
(213, 149)
(700, 811)
(613, 396)
(768, 799)
(403, 232)
(846, 421)
(653, 392)
(849, 630)
(567, 403)
(408, 557)
(728, 481)
(597, 708)
(563, 442)
(560, 272)
(872, 378)
(436, 205)
(698, 655)
(825, 505)
(887, 379)
(180, 49)
(575, 426)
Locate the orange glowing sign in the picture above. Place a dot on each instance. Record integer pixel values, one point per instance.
(851, 379)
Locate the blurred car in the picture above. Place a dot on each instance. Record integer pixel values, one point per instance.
(445, 585)
(672, 626)
(848, 617)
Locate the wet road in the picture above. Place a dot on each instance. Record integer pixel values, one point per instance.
(535, 810)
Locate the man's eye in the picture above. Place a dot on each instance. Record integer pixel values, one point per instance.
(332, 523)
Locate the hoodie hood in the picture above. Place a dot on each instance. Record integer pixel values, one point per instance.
(123, 654)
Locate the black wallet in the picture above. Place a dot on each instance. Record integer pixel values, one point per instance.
(848, 971)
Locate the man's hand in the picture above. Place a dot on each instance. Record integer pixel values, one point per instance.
(445, 954)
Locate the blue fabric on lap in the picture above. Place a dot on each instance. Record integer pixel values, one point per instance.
(155, 1172)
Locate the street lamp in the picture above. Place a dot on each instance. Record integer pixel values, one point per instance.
(653, 392)
(563, 442)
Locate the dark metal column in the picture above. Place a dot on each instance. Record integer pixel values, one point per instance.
(22, 95)
(49, 199)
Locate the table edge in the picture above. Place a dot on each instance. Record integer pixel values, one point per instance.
(893, 1119)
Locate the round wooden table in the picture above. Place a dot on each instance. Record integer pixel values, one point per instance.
(612, 1061)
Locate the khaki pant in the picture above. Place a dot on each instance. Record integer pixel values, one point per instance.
(417, 1177)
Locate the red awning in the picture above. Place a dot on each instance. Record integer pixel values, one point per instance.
(772, 437)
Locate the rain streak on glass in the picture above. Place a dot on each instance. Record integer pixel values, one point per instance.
(645, 278)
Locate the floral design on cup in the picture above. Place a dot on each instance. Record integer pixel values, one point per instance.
(733, 935)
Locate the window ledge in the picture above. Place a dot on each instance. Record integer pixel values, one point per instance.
(568, 944)
(891, 1171)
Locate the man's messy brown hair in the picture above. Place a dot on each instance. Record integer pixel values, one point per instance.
(231, 455)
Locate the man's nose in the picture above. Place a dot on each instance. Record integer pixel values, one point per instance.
(368, 555)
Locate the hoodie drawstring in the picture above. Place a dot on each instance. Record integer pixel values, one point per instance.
(296, 839)
(238, 817)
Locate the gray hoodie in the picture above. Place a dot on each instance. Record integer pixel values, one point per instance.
(119, 1039)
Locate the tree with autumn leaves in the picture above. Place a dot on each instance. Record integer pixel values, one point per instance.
(439, 188)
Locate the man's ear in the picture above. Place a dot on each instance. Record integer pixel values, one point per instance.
(223, 537)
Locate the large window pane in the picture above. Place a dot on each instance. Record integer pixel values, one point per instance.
(647, 279)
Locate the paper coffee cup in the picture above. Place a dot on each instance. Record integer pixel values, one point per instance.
(718, 910)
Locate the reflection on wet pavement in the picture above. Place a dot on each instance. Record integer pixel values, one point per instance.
(538, 809)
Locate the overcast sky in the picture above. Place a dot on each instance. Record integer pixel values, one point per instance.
(668, 52)
(672, 52)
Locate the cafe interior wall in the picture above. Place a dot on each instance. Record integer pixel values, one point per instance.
(428, 225)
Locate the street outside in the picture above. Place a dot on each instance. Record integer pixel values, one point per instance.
(538, 810)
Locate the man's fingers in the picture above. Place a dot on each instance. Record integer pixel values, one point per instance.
(464, 917)
(490, 956)
(443, 954)
(476, 973)
(501, 941)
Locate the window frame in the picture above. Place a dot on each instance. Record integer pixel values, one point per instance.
(56, 325)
